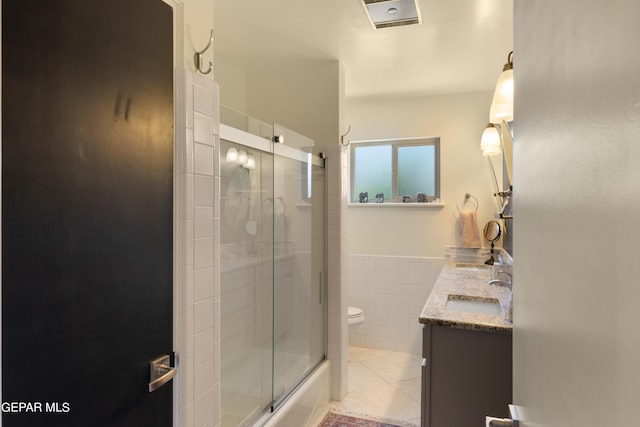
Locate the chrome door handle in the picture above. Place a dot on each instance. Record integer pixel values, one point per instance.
(161, 372)
(514, 421)
(500, 422)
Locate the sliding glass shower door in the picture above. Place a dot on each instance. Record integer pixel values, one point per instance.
(272, 264)
(246, 277)
(299, 263)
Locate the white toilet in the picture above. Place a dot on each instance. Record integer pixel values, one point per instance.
(355, 315)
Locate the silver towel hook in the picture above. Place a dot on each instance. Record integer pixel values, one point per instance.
(197, 58)
(342, 137)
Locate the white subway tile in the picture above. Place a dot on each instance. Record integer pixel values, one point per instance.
(188, 247)
(188, 150)
(189, 195)
(216, 323)
(203, 190)
(203, 284)
(203, 100)
(215, 402)
(189, 416)
(188, 288)
(203, 253)
(203, 409)
(203, 346)
(188, 112)
(203, 82)
(216, 108)
(203, 159)
(203, 129)
(216, 157)
(203, 315)
(217, 195)
(189, 319)
(203, 223)
(216, 362)
(186, 370)
(203, 378)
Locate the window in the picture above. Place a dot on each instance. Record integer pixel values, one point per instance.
(395, 168)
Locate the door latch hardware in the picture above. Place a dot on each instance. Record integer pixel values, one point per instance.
(161, 372)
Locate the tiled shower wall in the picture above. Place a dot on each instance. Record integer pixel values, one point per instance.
(197, 299)
(391, 291)
(336, 172)
(197, 296)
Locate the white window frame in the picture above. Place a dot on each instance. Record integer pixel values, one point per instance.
(395, 144)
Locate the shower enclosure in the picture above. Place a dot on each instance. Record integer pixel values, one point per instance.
(272, 269)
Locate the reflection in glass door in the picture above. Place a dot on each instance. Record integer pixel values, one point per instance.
(246, 276)
(299, 300)
(272, 264)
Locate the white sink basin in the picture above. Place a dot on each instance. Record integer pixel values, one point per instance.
(466, 304)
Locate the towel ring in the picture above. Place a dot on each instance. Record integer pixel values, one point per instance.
(468, 196)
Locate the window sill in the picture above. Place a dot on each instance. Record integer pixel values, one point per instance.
(432, 205)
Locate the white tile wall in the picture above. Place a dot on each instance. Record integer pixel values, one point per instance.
(203, 159)
(197, 327)
(391, 291)
(336, 172)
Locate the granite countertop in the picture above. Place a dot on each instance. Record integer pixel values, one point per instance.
(466, 282)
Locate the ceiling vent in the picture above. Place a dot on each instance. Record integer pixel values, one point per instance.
(392, 13)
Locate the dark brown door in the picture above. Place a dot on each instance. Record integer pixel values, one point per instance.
(87, 197)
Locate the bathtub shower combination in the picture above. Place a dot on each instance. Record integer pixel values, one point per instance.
(272, 270)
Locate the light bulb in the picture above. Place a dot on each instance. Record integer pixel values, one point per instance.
(242, 157)
(251, 162)
(232, 155)
(490, 142)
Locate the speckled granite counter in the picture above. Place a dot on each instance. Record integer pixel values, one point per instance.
(466, 282)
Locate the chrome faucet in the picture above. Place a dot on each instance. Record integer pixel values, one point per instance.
(508, 283)
(509, 310)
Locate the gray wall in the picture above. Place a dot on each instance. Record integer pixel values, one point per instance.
(299, 94)
(577, 186)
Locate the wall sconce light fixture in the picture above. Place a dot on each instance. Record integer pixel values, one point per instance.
(491, 143)
(502, 105)
(250, 163)
(242, 157)
(232, 155)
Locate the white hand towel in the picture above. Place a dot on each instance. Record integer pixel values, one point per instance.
(468, 230)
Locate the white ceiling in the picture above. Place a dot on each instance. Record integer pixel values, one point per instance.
(460, 46)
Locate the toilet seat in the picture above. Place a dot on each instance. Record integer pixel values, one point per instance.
(354, 315)
(354, 311)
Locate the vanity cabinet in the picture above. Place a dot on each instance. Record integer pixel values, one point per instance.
(466, 375)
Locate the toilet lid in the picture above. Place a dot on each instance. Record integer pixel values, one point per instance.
(354, 311)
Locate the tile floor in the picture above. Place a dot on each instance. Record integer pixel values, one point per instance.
(384, 385)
